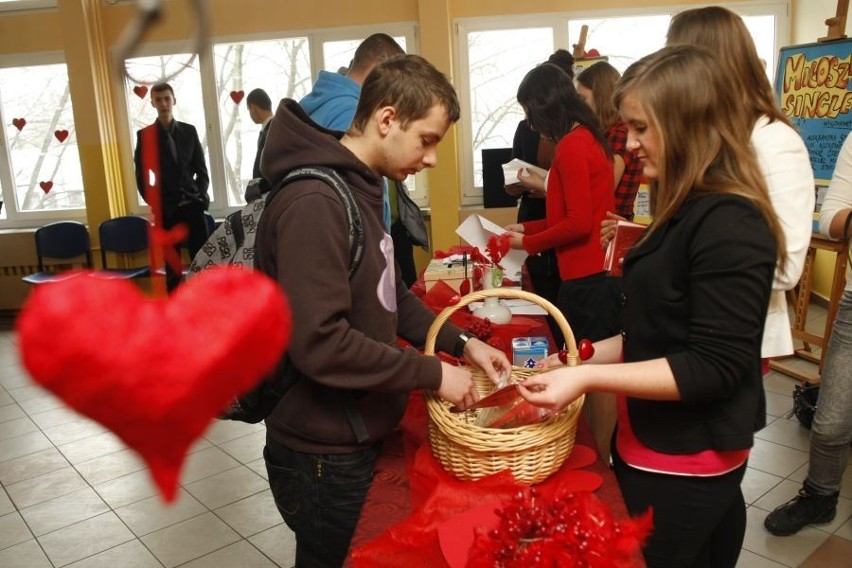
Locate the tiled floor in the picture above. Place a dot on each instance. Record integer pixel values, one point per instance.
(74, 496)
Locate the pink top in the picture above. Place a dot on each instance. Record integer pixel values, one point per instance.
(701, 464)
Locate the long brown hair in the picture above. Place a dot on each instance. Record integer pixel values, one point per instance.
(725, 34)
(702, 133)
(600, 79)
(553, 107)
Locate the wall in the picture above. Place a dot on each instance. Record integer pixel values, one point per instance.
(76, 23)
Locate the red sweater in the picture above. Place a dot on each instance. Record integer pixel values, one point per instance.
(580, 190)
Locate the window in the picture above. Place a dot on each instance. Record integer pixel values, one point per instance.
(494, 55)
(210, 94)
(39, 164)
(279, 67)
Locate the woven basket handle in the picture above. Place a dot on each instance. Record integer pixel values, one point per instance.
(431, 336)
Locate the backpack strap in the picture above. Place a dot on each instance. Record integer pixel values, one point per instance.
(353, 213)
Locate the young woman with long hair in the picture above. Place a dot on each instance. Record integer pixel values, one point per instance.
(579, 193)
(686, 366)
(595, 85)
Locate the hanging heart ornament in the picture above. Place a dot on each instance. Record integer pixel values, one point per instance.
(61, 135)
(19, 123)
(140, 91)
(154, 371)
(46, 186)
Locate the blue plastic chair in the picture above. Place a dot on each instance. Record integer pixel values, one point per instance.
(63, 240)
(127, 235)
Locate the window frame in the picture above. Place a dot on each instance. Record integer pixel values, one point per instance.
(206, 63)
(471, 193)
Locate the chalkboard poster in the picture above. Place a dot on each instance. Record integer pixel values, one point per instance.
(813, 88)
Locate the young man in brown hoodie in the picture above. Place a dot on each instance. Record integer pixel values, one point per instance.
(354, 380)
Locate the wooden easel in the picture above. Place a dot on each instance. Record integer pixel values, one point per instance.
(800, 296)
(837, 24)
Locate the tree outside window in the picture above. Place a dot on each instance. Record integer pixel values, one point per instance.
(43, 164)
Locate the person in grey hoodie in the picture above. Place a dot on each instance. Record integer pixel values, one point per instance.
(353, 378)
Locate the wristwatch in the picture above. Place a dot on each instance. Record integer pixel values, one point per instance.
(464, 337)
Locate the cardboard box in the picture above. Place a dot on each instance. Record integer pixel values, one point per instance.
(451, 274)
(527, 351)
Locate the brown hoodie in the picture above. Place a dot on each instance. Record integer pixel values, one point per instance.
(344, 331)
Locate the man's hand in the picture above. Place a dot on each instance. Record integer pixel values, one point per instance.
(457, 385)
(492, 361)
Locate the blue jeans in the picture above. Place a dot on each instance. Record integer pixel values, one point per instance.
(320, 497)
(831, 432)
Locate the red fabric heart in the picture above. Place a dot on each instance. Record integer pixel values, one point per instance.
(141, 91)
(237, 96)
(19, 123)
(154, 371)
(46, 186)
(61, 135)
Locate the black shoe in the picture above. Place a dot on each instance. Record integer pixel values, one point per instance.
(806, 508)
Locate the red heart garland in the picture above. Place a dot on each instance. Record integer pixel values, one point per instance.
(61, 135)
(141, 91)
(19, 123)
(46, 186)
(154, 371)
(237, 96)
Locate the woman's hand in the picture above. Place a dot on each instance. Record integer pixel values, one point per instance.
(554, 389)
(492, 361)
(533, 182)
(608, 228)
(517, 239)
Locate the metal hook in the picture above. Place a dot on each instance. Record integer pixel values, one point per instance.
(148, 13)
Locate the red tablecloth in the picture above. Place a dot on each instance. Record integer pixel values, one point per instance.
(389, 500)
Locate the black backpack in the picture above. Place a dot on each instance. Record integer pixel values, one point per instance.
(233, 243)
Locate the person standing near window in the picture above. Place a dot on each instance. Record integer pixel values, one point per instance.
(259, 107)
(183, 176)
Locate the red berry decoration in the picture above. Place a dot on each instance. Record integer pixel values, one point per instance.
(576, 529)
(586, 349)
(480, 327)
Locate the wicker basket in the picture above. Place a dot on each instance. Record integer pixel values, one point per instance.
(531, 452)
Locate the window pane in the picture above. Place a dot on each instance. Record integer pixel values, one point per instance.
(189, 106)
(40, 134)
(279, 67)
(623, 40)
(498, 61)
(762, 29)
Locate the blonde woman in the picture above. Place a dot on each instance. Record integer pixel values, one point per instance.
(686, 367)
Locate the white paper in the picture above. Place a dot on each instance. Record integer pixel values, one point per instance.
(517, 306)
(511, 169)
(476, 230)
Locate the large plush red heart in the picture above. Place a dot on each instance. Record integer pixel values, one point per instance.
(61, 135)
(19, 123)
(46, 186)
(154, 371)
(140, 91)
(237, 96)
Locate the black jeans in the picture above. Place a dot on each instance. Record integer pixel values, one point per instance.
(192, 215)
(320, 498)
(699, 522)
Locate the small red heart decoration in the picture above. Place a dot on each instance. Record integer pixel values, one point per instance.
(154, 371)
(19, 123)
(237, 96)
(61, 135)
(585, 349)
(141, 91)
(46, 186)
